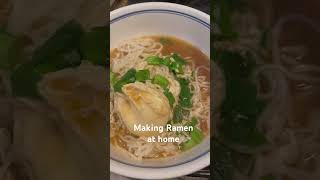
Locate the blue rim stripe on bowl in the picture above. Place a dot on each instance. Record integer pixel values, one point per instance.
(164, 11)
(207, 25)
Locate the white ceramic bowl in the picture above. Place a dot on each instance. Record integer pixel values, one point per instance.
(161, 19)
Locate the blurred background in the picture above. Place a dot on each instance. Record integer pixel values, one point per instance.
(267, 125)
(43, 138)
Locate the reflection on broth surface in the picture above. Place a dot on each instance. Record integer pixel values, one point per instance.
(155, 81)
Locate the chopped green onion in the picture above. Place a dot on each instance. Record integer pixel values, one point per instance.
(113, 78)
(194, 122)
(177, 64)
(178, 59)
(176, 67)
(143, 75)
(185, 102)
(179, 113)
(196, 138)
(127, 78)
(154, 60)
(185, 93)
(188, 145)
(166, 61)
(174, 62)
(160, 80)
(170, 97)
(196, 135)
(118, 86)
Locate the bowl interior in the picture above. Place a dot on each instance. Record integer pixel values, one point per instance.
(176, 21)
(121, 156)
(179, 23)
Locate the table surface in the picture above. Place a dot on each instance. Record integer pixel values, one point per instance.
(202, 5)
